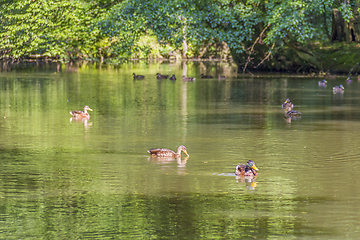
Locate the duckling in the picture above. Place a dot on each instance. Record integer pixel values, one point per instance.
(138, 76)
(221, 77)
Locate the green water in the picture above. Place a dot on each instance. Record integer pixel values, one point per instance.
(76, 180)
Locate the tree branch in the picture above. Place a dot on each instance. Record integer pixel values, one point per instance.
(253, 45)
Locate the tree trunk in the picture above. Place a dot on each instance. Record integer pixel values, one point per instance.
(184, 49)
(338, 28)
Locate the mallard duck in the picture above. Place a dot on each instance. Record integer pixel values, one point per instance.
(287, 105)
(81, 114)
(348, 80)
(172, 77)
(138, 76)
(206, 76)
(338, 89)
(322, 83)
(221, 77)
(292, 113)
(159, 76)
(163, 152)
(186, 79)
(246, 170)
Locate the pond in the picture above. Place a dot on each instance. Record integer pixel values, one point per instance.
(63, 179)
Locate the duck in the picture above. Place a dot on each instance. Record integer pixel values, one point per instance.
(338, 89)
(221, 77)
(322, 83)
(348, 80)
(186, 79)
(249, 169)
(159, 76)
(292, 114)
(163, 152)
(287, 105)
(173, 77)
(206, 76)
(138, 76)
(81, 114)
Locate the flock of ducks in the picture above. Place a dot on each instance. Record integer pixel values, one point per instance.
(336, 89)
(249, 170)
(159, 76)
(288, 106)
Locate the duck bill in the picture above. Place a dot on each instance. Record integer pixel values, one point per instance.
(255, 168)
(186, 153)
(90, 109)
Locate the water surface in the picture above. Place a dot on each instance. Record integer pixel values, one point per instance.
(67, 180)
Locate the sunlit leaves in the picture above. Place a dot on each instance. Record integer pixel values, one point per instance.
(51, 28)
(94, 29)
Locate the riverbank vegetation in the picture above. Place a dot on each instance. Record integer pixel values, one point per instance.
(257, 35)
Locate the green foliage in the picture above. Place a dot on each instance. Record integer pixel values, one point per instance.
(171, 21)
(90, 29)
(238, 23)
(54, 28)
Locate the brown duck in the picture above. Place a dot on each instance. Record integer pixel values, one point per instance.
(287, 105)
(163, 152)
(81, 114)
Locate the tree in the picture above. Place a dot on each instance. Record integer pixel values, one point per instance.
(52, 28)
(254, 30)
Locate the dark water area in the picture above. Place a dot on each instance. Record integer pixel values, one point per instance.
(63, 179)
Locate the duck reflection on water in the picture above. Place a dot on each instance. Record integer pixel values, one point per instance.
(84, 121)
(167, 160)
(250, 182)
